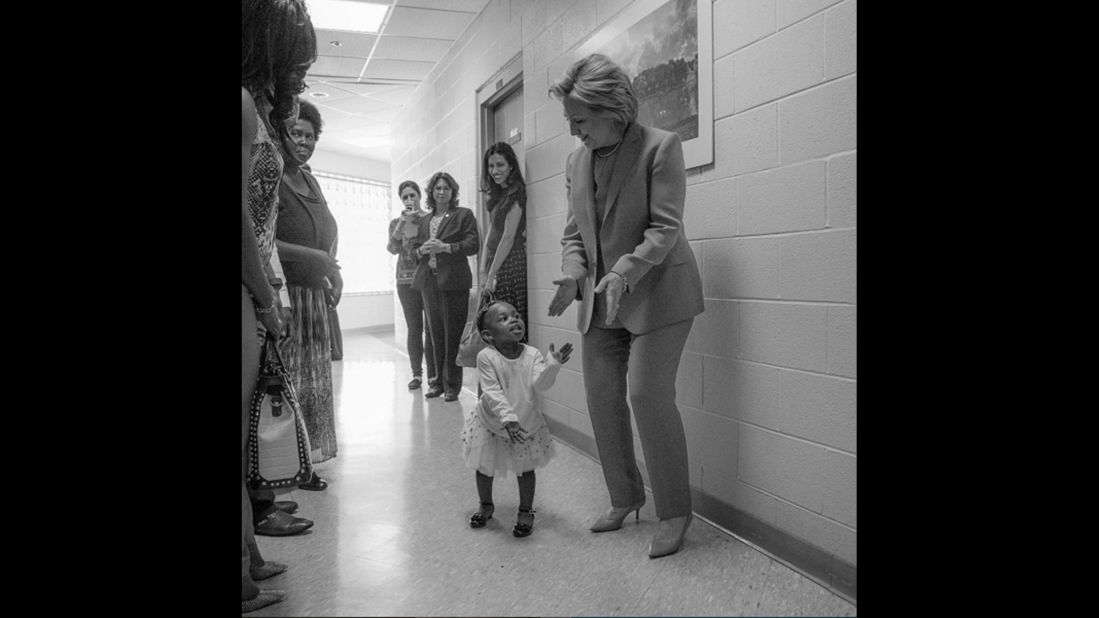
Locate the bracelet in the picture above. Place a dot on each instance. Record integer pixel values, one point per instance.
(265, 310)
(624, 281)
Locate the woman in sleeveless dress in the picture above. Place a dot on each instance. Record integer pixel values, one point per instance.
(278, 45)
(306, 238)
(504, 266)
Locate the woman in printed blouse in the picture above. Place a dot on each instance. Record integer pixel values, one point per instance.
(405, 237)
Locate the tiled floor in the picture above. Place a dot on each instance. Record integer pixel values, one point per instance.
(392, 539)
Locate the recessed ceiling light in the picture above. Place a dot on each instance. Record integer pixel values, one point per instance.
(347, 16)
(318, 95)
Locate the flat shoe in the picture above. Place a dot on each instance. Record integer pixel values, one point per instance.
(282, 524)
(287, 506)
(263, 599)
(269, 569)
(434, 391)
(451, 397)
(315, 483)
(414, 384)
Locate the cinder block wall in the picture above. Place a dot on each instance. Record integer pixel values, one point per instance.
(767, 385)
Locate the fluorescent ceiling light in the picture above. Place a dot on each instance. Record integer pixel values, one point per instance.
(346, 15)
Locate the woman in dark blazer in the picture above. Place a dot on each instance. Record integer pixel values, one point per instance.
(444, 278)
(626, 257)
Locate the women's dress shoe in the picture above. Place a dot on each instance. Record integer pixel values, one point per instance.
(266, 570)
(524, 528)
(613, 519)
(282, 524)
(263, 599)
(434, 391)
(287, 506)
(315, 483)
(669, 536)
(481, 517)
(451, 396)
(414, 384)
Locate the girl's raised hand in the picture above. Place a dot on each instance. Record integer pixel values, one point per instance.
(561, 356)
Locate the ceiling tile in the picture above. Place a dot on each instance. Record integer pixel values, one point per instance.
(412, 48)
(357, 105)
(352, 44)
(427, 23)
(317, 86)
(333, 66)
(395, 69)
(373, 90)
(396, 96)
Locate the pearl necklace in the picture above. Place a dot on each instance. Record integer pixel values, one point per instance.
(613, 150)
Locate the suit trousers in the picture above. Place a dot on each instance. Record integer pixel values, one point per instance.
(447, 311)
(648, 363)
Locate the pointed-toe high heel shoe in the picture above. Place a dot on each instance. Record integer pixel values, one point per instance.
(669, 537)
(614, 517)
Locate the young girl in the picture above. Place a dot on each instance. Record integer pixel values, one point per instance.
(505, 432)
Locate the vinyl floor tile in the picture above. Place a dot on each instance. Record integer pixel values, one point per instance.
(392, 536)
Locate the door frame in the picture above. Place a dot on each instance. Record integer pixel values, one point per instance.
(495, 89)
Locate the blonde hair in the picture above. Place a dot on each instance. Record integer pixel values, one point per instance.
(599, 83)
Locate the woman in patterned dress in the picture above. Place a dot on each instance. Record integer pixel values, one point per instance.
(504, 267)
(306, 239)
(278, 45)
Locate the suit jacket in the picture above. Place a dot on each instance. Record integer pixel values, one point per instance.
(458, 227)
(641, 234)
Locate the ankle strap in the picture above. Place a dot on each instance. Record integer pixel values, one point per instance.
(529, 511)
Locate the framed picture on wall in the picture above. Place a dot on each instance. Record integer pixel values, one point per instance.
(666, 47)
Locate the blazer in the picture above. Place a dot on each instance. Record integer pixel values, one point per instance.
(459, 228)
(641, 235)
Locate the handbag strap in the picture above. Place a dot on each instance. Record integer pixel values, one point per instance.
(271, 354)
(486, 298)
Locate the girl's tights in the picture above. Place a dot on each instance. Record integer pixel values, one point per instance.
(526, 489)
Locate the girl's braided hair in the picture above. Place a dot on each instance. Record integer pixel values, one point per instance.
(482, 312)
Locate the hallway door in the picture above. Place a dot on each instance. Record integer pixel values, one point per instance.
(507, 124)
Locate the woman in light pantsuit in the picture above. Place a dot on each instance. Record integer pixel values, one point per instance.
(626, 258)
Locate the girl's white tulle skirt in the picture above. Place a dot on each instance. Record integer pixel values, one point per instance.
(493, 454)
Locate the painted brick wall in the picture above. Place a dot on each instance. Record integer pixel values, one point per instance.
(767, 384)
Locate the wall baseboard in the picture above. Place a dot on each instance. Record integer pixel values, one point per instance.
(377, 328)
(809, 560)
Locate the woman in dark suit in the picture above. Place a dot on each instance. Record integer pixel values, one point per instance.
(444, 278)
(626, 258)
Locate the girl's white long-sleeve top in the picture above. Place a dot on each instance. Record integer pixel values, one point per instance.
(507, 386)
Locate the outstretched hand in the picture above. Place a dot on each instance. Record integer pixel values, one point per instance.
(566, 293)
(562, 355)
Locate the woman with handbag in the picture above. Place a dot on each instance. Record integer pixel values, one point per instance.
(444, 277)
(278, 45)
(306, 238)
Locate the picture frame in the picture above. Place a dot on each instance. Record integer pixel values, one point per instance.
(666, 47)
